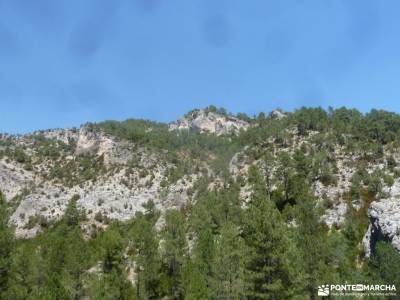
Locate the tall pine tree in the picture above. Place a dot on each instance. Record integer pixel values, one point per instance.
(147, 257)
(228, 266)
(268, 274)
(312, 242)
(175, 250)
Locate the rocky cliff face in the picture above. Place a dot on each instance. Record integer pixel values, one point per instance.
(126, 178)
(209, 122)
(277, 114)
(91, 141)
(385, 224)
(113, 177)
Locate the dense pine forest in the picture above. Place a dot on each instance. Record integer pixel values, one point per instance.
(252, 226)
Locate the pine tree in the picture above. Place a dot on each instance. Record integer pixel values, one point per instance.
(269, 165)
(147, 258)
(284, 172)
(311, 241)
(206, 218)
(72, 214)
(228, 266)
(76, 257)
(267, 268)
(302, 163)
(6, 245)
(194, 282)
(25, 273)
(387, 262)
(151, 212)
(204, 252)
(175, 250)
(113, 283)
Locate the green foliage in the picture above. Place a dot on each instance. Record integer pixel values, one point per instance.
(147, 257)
(6, 245)
(37, 220)
(72, 215)
(180, 148)
(228, 267)
(315, 119)
(112, 282)
(77, 170)
(112, 285)
(267, 267)
(19, 155)
(194, 282)
(311, 242)
(387, 263)
(26, 273)
(175, 251)
(216, 247)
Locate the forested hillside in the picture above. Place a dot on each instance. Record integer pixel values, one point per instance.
(213, 206)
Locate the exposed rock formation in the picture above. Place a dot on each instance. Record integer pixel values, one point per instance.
(133, 176)
(209, 122)
(63, 135)
(335, 215)
(277, 114)
(14, 179)
(130, 174)
(385, 224)
(110, 196)
(92, 141)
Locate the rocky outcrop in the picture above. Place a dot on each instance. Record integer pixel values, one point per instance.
(385, 224)
(210, 122)
(134, 176)
(62, 135)
(92, 141)
(115, 196)
(14, 178)
(41, 186)
(335, 216)
(277, 114)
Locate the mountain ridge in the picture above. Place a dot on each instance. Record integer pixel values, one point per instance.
(100, 162)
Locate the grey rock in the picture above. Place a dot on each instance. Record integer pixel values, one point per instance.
(277, 114)
(209, 122)
(335, 215)
(385, 224)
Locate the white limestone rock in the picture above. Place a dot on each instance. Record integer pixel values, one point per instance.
(116, 196)
(14, 178)
(336, 215)
(277, 114)
(92, 141)
(210, 122)
(385, 224)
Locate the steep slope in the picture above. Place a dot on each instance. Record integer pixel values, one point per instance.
(40, 173)
(113, 168)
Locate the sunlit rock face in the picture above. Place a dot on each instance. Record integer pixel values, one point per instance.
(210, 122)
(277, 114)
(385, 224)
(129, 176)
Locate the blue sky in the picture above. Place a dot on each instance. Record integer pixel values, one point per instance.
(63, 63)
